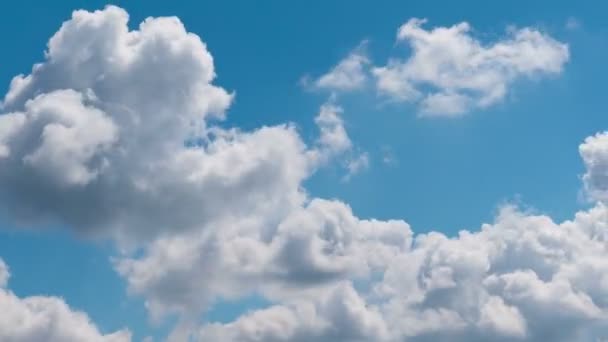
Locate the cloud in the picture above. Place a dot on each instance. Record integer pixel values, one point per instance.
(333, 139)
(114, 135)
(314, 245)
(48, 319)
(349, 74)
(523, 277)
(450, 72)
(306, 321)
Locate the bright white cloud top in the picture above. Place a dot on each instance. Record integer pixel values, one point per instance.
(449, 72)
(115, 135)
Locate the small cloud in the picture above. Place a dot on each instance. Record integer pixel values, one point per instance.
(349, 74)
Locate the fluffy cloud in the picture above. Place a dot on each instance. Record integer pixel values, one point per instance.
(94, 136)
(351, 320)
(461, 72)
(312, 247)
(110, 135)
(350, 74)
(48, 319)
(449, 72)
(524, 277)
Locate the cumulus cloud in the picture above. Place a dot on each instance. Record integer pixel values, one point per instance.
(523, 277)
(351, 318)
(335, 277)
(450, 72)
(48, 319)
(111, 135)
(313, 246)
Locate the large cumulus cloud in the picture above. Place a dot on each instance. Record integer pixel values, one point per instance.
(523, 277)
(110, 135)
(115, 134)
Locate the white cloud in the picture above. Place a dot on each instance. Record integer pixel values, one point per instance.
(349, 74)
(311, 247)
(94, 138)
(449, 72)
(333, 136)
(46, 319)
(523, 277)
(352, 320)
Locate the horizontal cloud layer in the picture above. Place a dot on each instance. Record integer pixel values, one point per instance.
(116, 135)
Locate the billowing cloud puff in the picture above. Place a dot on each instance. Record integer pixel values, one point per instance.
(449, 72)
(111, 136)
(309, 249)
(48, 319)
(351, 320)
(524, 277)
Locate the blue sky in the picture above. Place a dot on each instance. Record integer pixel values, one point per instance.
(445, 173)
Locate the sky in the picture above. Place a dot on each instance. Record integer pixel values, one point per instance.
(310, 171)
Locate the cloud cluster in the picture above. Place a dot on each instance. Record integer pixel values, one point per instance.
(524, 277)
(116, 135)
(110, 135)
(449, 72)
(48, 319)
